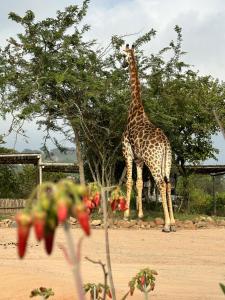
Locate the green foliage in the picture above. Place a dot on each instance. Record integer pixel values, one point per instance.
(27, 180)
(143, 281)
(199, 189)
(18, 182)
(8, 178)
(97, 290)
(199, 201)
(220, 205)
(9, 182)
(222, 287)
(53, 176)
(48, 69)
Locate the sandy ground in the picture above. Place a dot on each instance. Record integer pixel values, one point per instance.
(190, 263)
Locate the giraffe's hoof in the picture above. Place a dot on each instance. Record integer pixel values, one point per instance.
(141, 216)
(173, 228)
(166, 228)
(126, 215)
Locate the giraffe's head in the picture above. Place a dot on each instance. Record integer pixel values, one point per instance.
(127, 55)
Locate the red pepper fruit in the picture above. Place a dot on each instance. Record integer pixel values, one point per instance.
(85, 198)
(96, 199)
(62, 211)
(114, 204)
(83, 219)
(93, 205)
(122, 204)
(24, 223)
(142, 280)
(88, 210)
(39, 225)
(49, 239)
(109, 293)
(87, 202)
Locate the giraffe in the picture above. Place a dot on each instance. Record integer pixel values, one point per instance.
(146, 144)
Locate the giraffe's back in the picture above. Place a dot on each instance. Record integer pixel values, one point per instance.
(150, 145)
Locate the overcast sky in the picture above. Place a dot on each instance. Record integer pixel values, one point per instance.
(203, 24)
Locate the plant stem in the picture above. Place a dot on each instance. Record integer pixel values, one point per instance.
(95, 293)
(146, 293)
(146, 296)
(108, 260)
(104, 272)
(75, 261)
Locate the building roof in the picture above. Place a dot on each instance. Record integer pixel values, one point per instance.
(35, 159)
(20, 158)
(208, 169)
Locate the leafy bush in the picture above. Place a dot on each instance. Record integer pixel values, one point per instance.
(220, 205)
(199, 190)
(18, 182)
(199, 201)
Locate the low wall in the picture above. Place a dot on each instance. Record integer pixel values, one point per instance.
(11, 206)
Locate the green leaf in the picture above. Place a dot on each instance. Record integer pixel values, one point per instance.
(222, 287)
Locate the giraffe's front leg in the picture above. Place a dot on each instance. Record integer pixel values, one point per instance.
(139, 186)
(129, 185)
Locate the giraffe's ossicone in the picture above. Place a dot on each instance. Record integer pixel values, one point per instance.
(144, 143)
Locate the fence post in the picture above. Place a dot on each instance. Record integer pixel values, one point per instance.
(39, 175)
(214, 197)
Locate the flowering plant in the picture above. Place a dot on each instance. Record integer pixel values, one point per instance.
(118, 200)
(51, 205)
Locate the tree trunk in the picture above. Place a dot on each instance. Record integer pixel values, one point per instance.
(186, 194)
(79, 156)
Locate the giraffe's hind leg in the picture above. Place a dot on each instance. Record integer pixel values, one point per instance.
(139, 186)
(162, 189)
(168, 162)
(170, 206)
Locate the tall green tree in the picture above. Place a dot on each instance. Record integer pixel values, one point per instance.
(50, 71)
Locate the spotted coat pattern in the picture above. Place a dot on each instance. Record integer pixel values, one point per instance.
(146, 144)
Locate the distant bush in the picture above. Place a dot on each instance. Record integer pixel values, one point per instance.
(199, 190)
(199, 201)
(18, 182)
(220, 205)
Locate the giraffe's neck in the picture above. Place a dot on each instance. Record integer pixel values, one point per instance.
(136, 103)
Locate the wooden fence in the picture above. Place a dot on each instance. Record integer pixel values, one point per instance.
(10, 206)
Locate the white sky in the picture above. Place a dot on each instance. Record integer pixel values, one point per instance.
(203, 24)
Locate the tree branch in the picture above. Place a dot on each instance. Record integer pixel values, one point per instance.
(104, 272)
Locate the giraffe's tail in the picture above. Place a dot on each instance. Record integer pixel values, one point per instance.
(166, 179)
(166, 163)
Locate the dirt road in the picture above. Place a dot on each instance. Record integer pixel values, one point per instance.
(190, 263)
